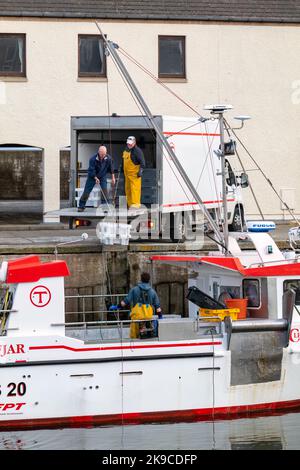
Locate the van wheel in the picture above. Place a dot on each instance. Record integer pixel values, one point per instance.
(238, 221)
(177, 227)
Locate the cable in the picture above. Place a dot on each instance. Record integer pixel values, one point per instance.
(213, 387)
(150, 74)
(151, 130)
(244, 170)
(264, 175)
(217, 242)
(179, 98)
(182, 130)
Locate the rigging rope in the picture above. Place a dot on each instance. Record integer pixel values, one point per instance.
(108, 113)
(157, 80)
(244, 170)
(263, 173)
(151, 130)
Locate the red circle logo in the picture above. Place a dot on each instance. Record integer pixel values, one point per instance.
(40, 296)
(295, 335)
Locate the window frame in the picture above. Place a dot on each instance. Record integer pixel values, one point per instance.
(91, 74)
(172, 75)
(16, 74)
(284, 288)
(259, 291)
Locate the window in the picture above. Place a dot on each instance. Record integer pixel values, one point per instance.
(91, 57)
(251, 290)
(293, 284)
(12, 55)
(229, 292)
(171, 56)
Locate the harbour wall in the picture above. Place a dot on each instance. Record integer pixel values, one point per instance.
(115, 273)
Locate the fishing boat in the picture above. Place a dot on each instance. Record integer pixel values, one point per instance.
(237, 353)
(194, 367)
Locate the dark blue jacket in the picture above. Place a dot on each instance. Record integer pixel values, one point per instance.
(135, 295)
(100, 168)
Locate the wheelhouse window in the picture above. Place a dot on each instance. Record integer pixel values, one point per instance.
(293, 284)
(12, 55)
(91, 57)
(171, 57)
(251, 290)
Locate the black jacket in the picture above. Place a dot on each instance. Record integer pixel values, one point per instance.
(137, 157)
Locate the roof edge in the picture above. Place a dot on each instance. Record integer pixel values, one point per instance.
(222, 19)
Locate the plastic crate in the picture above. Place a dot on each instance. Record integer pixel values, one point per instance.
(110, 233)
(196, 296)
(221, 314)
(94, 197)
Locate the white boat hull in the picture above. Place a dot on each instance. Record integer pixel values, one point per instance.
(65, 382)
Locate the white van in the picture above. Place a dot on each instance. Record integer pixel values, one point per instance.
(196, 145)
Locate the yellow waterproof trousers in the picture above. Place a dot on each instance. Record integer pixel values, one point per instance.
(139, 312)
(133, 183)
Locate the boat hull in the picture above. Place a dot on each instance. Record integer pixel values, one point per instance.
(187, 381)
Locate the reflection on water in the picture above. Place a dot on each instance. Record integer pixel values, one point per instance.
(271, 432)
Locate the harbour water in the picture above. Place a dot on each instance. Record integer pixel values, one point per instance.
(272, 432)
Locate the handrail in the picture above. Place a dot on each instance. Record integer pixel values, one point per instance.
(112, 322)
(97, 311)
(93, 295)
(105, 322)
(279, 261)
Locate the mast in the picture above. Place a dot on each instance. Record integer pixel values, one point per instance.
(224, 186)
(111, 47)
(219, 110)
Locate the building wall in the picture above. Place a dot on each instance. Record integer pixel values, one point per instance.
(253, 67)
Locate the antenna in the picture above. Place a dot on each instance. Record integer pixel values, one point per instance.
(242, 119)
(84, 236)
(218, 108)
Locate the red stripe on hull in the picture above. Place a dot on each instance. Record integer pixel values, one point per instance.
(230, 412)
(113, 348)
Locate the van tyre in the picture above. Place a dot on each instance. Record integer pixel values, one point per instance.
(181, 228)
(238, 221)
(177, 227)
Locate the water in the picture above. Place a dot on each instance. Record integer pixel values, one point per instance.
(269, 432)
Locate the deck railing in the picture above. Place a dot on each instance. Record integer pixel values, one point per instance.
(101, 313)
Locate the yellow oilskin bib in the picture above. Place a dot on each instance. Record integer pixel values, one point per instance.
(139, 312)
(133, 184)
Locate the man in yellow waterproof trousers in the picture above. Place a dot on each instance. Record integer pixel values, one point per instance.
(133, 165)
(143, 302)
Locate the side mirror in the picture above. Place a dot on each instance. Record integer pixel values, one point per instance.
(244, 180)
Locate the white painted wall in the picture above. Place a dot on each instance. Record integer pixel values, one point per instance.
(253, 67)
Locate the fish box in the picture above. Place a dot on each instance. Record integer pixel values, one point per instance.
(221, 314)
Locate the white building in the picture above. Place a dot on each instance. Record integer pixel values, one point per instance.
(52, 67)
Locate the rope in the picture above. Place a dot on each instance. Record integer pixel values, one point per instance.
(151, 130)
(213, 388)
(108, 113)
(6, 306)
(244, 170)
(157, 80)
(264, 175)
